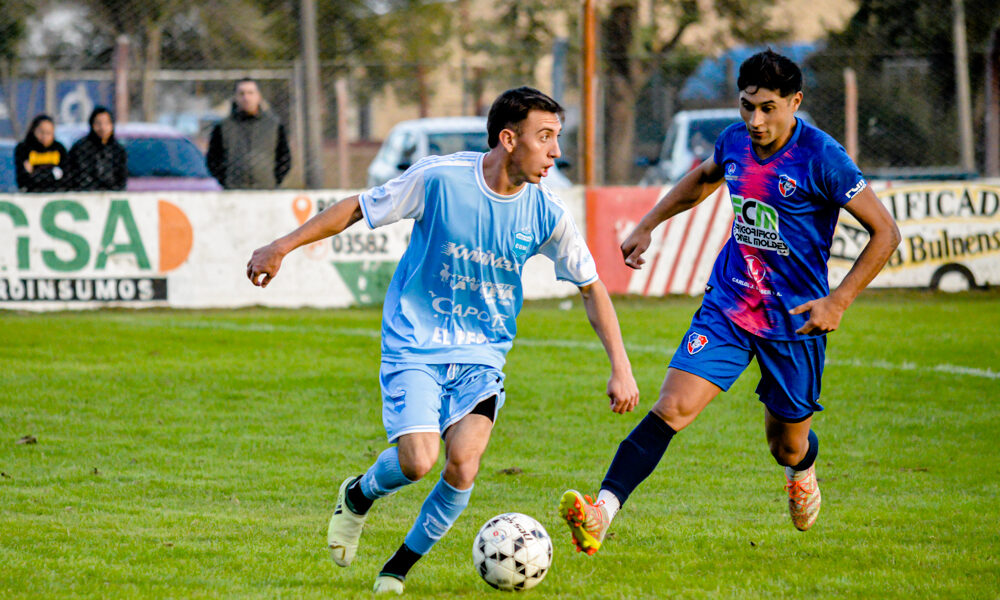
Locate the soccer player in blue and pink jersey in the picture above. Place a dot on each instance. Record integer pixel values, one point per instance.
(767, 297)
(449, 313)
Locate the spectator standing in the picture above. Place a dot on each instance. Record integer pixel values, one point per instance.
(97, 161)
(39, 160)
(248, 149)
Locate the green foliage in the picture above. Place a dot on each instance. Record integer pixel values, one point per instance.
(12, 28)
(196, 454)
(902, 53)
(520, 35)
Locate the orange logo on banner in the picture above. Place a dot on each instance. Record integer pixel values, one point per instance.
(302, 207)
(176, 236)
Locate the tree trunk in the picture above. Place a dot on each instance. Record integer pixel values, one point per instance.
(619, 93)
(619, 130)
(150, 66)
(423, 97)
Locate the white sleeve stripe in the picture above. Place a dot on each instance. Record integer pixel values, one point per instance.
(362, 202)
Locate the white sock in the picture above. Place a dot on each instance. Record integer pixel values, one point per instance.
(611, 503)
(793, 475)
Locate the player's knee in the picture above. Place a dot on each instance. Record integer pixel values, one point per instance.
(416, 464)
(461, 471)
(672, 412)
(786, 454)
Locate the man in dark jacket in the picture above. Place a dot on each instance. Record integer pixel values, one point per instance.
(248, 149)
(97, 161)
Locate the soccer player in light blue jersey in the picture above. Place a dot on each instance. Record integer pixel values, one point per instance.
(449, 313)
(768, 296)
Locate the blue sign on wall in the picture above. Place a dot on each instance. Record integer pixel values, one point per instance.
(74, 101)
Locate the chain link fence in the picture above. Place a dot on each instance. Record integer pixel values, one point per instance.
(168, 70)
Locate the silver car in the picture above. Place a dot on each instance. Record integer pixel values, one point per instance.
(409, 141)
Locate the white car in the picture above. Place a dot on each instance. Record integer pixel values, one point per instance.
(409, 141)
(690, 139)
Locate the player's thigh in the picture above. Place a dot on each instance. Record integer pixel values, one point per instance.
(791, 375)
(417, 453)
(472, 389)
(712, 355)
(682, 397)
(466, 440)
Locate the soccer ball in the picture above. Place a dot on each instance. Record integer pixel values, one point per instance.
(512, 551)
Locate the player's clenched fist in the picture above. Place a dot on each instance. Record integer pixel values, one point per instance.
(265, 262)
(623, 392)
(633, 247)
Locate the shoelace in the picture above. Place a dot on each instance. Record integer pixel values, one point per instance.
(594, 521)
(799, 490)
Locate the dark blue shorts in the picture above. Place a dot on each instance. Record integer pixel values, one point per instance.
(790, 371)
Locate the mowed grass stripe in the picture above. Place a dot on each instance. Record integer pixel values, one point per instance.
(227, 325)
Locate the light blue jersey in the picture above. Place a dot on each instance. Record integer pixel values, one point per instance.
(456, 292)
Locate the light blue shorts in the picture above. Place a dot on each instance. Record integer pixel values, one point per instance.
(432, 398)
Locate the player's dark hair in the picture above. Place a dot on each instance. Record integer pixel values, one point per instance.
(236, 85)
(512, 107)
(771, 71)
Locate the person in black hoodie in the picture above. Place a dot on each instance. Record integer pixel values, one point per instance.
(40, 161)
(97, 161)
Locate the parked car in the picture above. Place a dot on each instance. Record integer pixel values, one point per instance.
(409, 141)
(690, 139)
(159, 157)
(8, 176)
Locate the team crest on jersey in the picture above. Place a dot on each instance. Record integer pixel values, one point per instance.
(696, 342)
(786, 185)
(731, 172)
(522, 243)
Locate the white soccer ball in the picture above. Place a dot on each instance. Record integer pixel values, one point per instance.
(512, 551)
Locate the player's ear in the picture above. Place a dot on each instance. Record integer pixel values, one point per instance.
(796, 100)
(507, 137)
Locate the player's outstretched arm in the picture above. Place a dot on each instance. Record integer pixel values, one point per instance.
(266, 260)
(825, 313)
(622, 389)
(689, 191)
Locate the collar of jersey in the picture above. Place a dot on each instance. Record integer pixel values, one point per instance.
(791, 142)
(481, 181)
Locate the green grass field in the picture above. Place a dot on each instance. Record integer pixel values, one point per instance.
(196, 455)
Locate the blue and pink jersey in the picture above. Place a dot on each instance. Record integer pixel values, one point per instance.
(786, 209)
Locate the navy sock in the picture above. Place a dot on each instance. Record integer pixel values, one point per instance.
(811, 453)
(637, 456)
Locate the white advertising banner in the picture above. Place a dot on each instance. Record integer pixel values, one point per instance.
(950, 230)
(190, 249)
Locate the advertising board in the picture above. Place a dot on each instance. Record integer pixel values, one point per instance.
(189, 250)
(950, 238)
